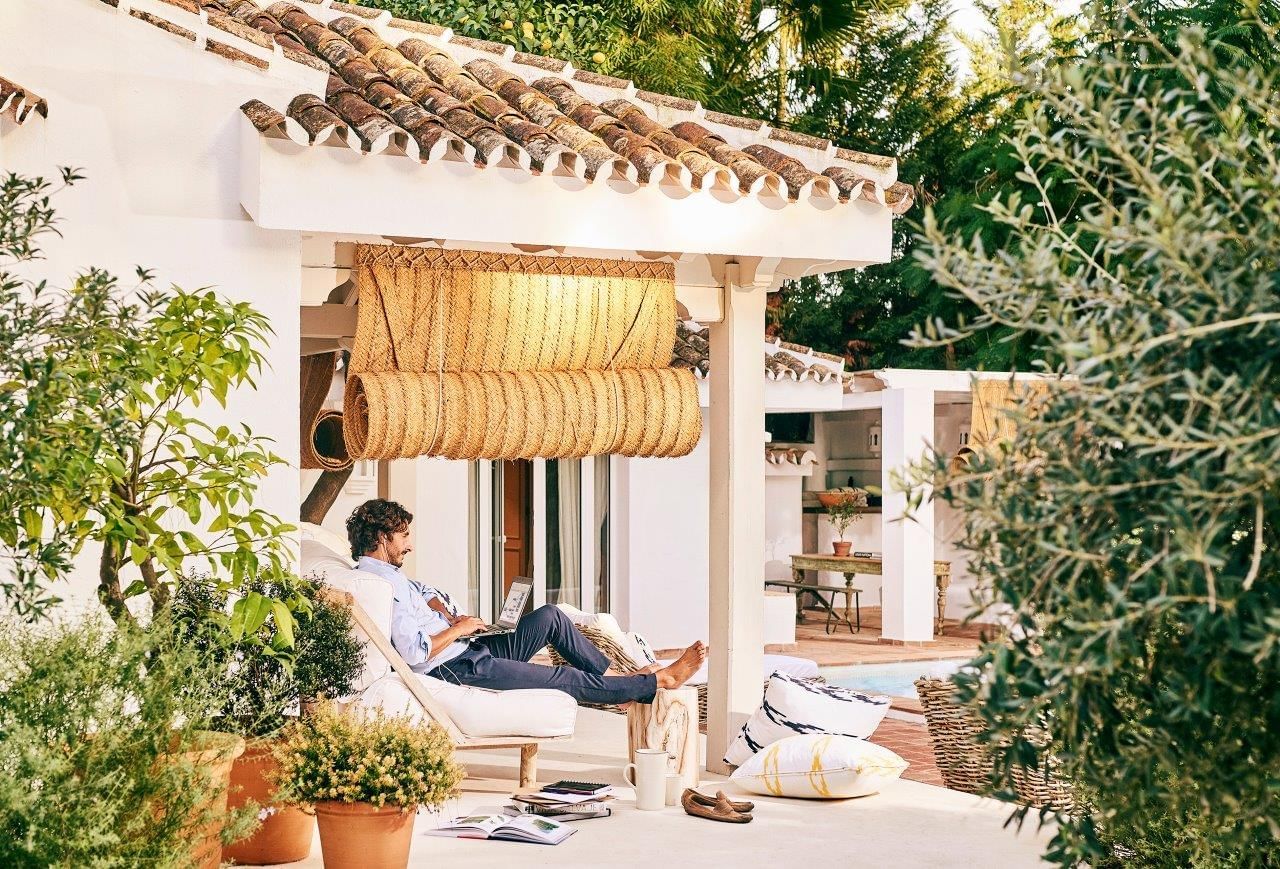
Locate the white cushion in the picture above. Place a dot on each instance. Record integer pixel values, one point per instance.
(819, 766)
(533, 712)
(635, 647)
(792, 705)
(333, 542)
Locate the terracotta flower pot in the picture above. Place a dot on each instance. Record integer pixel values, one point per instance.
(285, 834)
(362, 836)
(216, 752)
(842, 547)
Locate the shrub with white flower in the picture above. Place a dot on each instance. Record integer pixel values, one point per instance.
(373, 758)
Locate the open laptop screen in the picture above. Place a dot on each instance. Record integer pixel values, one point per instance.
(513, 606)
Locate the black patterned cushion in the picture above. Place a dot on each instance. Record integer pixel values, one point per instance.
(792, 705)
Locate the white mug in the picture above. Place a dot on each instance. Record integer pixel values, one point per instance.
(650, 778)
(675, 787)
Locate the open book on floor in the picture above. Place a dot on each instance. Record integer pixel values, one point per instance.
(526, 828)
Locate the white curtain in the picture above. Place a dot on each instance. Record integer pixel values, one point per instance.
(569, 491)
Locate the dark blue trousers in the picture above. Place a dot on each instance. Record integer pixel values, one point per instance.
(501, 662)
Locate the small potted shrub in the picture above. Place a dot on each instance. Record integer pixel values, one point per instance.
(366, 776)
(263, 687)
(328, 660)
(330, 656)
(842, 510)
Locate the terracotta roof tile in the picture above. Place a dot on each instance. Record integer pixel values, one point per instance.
(793, 138)
(606, 81)
(232, 53)
(667, 102)
(497, 48)
(862, 157)
(692, 350)
(362, 11)
(418, 98)
(550, 64)
(232, 25)
(734, 121)
(18, 103)
(163, 23)
(419, 27)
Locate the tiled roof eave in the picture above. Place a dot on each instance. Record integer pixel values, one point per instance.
(18, 104)
(555, 119)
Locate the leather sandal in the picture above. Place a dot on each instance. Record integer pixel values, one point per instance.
(743, 807)
(718, 810)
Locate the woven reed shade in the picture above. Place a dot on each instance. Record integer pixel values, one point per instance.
(321, 445)
(990, 421)
(472, 355)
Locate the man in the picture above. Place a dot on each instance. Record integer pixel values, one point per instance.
(435, 639)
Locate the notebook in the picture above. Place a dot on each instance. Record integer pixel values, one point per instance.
(512, 607)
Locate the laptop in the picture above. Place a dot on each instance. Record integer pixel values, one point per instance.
(512, 608)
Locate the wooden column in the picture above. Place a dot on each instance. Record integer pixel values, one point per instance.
(908, 583)
(736, 439)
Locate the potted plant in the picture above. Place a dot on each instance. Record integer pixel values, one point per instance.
(263, 688)
(366, 776)
(108, 757)
(842, 511)
(330, 656)
(328, 660)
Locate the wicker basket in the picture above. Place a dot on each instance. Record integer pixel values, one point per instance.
(966, 764)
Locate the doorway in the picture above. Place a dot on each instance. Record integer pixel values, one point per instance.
(515, 534)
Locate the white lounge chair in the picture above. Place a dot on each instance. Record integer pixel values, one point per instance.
(475, 718)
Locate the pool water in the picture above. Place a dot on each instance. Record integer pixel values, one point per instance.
(895, 680)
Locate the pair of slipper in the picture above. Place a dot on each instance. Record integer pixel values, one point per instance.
(717, 808)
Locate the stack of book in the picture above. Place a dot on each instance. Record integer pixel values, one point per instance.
(565, 801)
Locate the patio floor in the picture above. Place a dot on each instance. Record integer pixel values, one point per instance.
(907, 824)
(842, 647)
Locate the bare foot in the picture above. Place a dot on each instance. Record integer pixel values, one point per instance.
(680, 670)
(650, 668)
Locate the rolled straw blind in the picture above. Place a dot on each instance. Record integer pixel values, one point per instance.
(472, 355)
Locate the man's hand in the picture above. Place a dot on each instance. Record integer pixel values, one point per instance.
(467, 625)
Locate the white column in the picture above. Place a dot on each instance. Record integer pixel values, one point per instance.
(736, 439)
(907, 432)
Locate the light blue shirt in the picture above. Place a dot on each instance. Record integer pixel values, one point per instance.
(413, 623)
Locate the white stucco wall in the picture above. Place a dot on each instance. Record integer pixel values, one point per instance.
(152, 123)
(660, 586)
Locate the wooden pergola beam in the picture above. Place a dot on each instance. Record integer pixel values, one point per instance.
(328, 321)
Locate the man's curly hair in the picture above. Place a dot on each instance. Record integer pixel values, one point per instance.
(372, 521)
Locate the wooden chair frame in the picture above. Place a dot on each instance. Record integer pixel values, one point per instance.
(528, 745)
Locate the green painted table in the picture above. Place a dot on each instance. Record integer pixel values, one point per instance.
(850, 566)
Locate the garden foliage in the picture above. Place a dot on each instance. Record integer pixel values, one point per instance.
(93, 723)
(99, 387)
(1132, 525)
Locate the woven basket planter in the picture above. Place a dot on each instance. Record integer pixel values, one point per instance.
(966, 764)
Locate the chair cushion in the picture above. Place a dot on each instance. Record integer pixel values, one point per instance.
(819, 766)
(335, 543)
(792, 705)
(374, 594)
(632, 644)
(532, 712)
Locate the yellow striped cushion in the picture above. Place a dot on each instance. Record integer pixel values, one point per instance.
(819, 766)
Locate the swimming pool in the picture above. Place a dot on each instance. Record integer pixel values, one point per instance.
(895, 680)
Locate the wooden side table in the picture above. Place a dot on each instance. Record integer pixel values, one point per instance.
(670, 722)
(850, 566)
